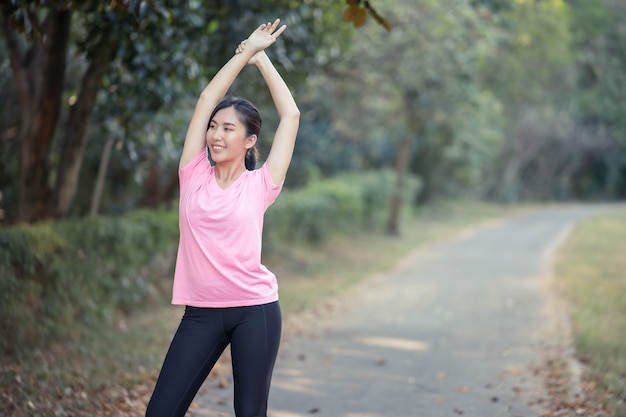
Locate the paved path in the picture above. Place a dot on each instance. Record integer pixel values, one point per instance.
(457, 329)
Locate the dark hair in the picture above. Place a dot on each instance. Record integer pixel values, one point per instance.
(250, 116)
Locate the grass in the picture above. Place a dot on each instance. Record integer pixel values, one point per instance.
(111, 370)
(591, 274)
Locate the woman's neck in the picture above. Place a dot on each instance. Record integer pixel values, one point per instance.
(227, 173)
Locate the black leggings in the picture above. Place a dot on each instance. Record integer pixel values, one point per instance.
(203, 334)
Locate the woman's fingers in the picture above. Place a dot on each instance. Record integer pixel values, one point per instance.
(240, 47)
(265, 35)
(279, 31)
(270, 27)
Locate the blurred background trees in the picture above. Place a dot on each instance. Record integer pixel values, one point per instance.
(508, 100)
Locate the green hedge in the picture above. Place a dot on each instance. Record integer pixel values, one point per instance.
(57, 277)
(344, 204)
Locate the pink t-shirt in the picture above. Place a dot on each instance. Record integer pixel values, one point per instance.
(219, 253)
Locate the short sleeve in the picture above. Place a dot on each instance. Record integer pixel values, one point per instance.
(272, 190)
(199, 163)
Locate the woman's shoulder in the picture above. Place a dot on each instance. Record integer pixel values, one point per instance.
(260, 172)
(198, 165)
(262, 178)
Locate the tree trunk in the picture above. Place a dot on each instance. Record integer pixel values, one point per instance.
(76, 138)
(39, 74)
(402, 163)
(96, 198)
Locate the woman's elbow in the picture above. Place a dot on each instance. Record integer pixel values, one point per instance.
(293, 114)
(289, 114)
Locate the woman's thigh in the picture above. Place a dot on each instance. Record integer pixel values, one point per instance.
(195, 348)
(254, 347)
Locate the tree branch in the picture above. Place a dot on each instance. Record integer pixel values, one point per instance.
(78, 119)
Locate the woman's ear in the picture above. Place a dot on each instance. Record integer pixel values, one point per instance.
(251, 141)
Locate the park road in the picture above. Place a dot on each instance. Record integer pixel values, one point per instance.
(458, 328)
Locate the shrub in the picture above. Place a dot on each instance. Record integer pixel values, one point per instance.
(344, 204)
(59, 275)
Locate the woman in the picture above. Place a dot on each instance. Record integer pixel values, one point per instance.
(230, 297)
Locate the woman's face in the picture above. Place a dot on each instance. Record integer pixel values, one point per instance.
(227, 137)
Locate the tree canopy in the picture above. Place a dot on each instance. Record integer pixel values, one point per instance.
(121, 61)
(499, 99)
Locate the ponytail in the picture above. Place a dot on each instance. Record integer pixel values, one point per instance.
(252, 155)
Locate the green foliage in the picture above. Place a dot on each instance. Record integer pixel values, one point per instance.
(58, 276)
(422, 83)
(559, 76)
(159, 56)
(534, 59)
(479, 132)
(344, 204)
(600, 35)
(478, 70)
(495, 5)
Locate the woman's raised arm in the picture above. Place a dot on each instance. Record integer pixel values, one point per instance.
(284, 141)
(262, 37)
